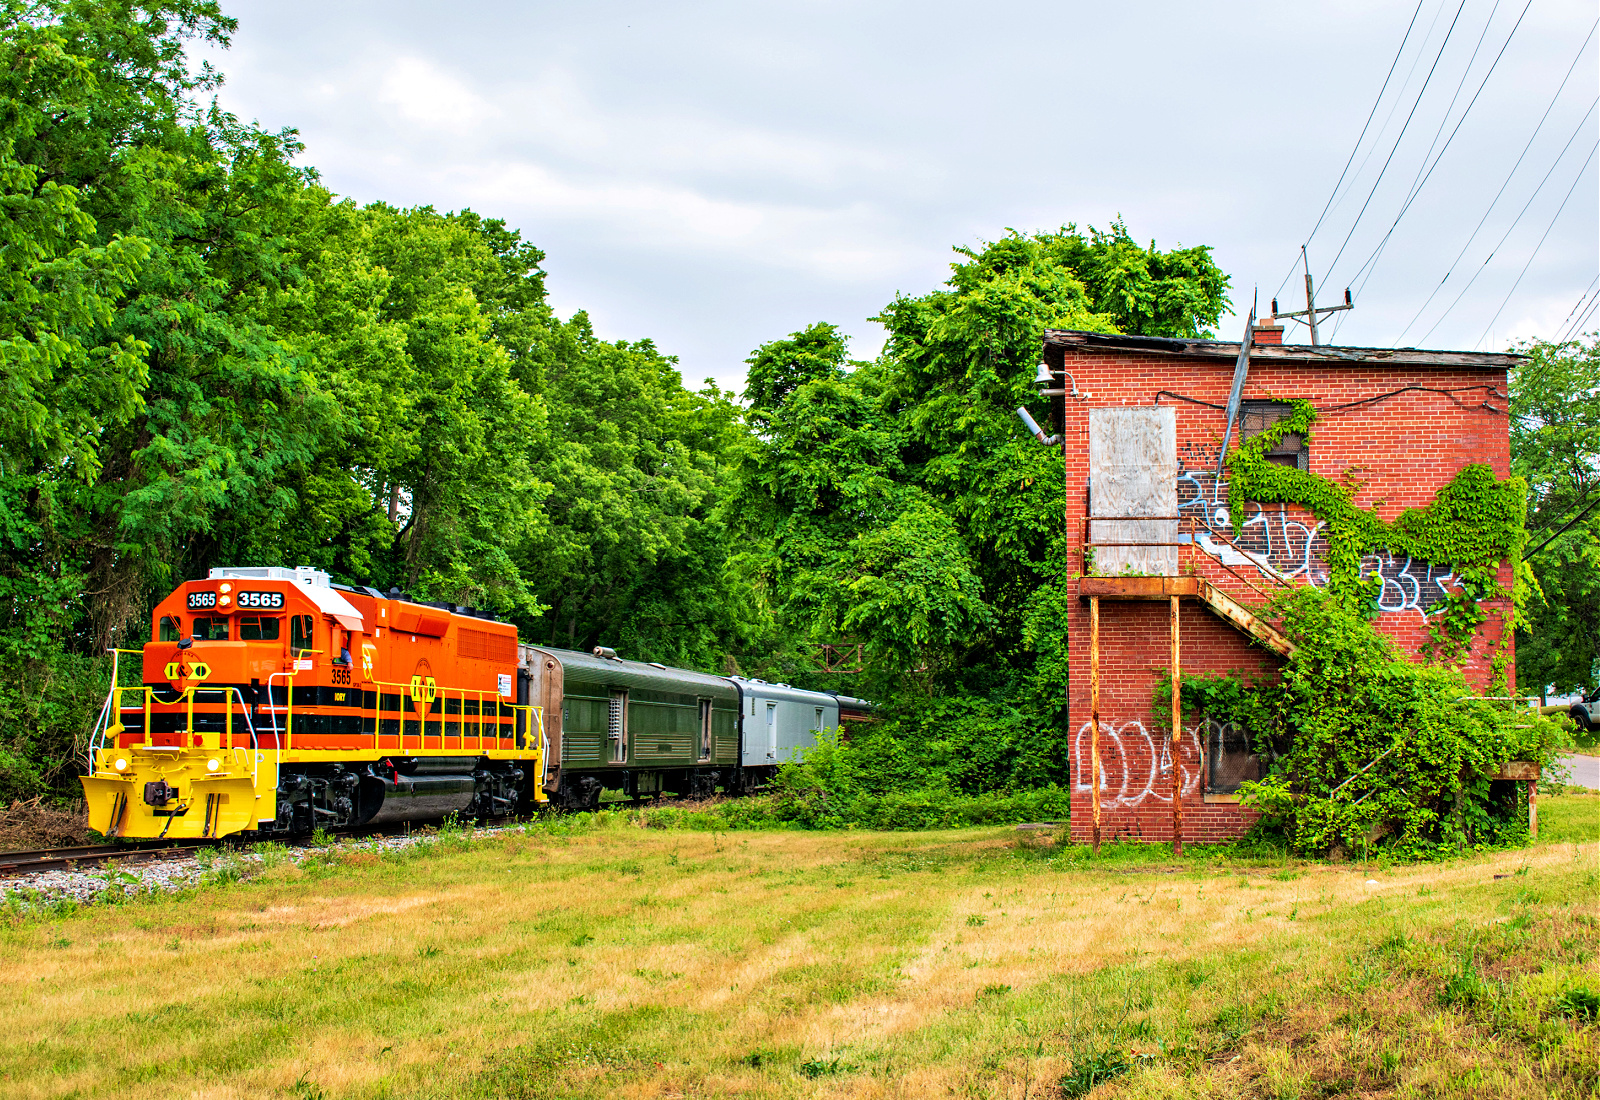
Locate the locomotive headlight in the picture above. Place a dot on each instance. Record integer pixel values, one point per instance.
(213, 765)
(120, 764)
(224, 600)
(224, 588)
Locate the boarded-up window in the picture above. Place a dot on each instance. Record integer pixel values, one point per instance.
(1229, 761)
(1133, 473)
(1256, 417)
(705, 729)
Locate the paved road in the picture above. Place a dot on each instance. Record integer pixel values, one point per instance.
(1585, 770)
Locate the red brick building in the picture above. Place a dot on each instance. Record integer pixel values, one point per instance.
(1147, 420)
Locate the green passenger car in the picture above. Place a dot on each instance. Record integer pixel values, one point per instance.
(631, 726)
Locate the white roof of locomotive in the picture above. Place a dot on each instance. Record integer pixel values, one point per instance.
(314, 582)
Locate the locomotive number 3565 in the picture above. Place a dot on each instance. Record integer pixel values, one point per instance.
(267, 600)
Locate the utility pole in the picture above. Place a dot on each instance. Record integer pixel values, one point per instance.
(1312, 309)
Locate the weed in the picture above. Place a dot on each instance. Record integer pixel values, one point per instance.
(758, 1058)
(1464, 988)
(271, 853)
(321, 838)
(820, 1067)
(428, 952)
(1092, 1070)
(1579, 1003)
(993, 990)
(580, 940)
(308, 1090)
(975, 921)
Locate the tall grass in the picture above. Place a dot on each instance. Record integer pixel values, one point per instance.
(590, 956)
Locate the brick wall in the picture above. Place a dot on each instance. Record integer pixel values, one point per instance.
(1403, 448)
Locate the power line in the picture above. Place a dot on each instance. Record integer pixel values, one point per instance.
(1481, 267)
(1388, 118)
(1504, 184)
(1423, 177)
(1387, 161)
(1576, 331)
(1356, 148)
(1540, 245)
(1575, 311)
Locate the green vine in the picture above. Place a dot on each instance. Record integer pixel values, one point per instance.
(1474, 523)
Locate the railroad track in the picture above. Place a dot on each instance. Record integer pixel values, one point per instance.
(15, 864)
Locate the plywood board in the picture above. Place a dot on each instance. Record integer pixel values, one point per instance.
(1133, 472)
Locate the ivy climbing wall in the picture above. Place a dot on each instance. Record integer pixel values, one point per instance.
(1403, 451)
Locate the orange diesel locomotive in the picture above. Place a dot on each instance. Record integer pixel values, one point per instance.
(275, 702)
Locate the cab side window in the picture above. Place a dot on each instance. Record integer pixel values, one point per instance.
(169, 628)
(259, 630)
(211, 630)
(300, 632)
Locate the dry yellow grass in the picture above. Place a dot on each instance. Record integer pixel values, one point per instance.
(622, 961)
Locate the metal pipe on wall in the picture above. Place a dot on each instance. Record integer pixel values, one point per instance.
(1177, 730)
(1094, 714)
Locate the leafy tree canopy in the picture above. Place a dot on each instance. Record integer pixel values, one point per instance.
(1555, 445)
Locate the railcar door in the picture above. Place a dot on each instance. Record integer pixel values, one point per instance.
(617, 726)
(772, 731)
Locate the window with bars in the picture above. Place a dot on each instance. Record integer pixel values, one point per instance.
(1256, 417)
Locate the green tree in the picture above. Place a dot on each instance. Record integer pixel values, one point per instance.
(1555, 445)
(899, 504)
(632, 552)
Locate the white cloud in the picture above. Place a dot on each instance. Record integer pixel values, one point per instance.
(423, 93)
(714, 174)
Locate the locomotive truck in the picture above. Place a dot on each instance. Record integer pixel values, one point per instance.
(274, 702)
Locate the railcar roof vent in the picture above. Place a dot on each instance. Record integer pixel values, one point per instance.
(301, 574)
(606, 653)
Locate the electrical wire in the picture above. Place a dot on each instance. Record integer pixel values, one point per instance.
(1561, 329)
(1425, 172)
(1362, 167)
(1362, 137)
(1370, 114)
(1504, 184)
(1398, 138)
(1540, 245)
(1563, 530)
(1576, 332)
(1493, 251)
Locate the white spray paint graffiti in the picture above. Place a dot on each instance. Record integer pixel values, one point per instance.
(1284, 546)
(1123, 785)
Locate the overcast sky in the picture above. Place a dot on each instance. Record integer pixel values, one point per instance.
(716, 175)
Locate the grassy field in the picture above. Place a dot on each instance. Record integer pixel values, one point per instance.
(599, 958)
